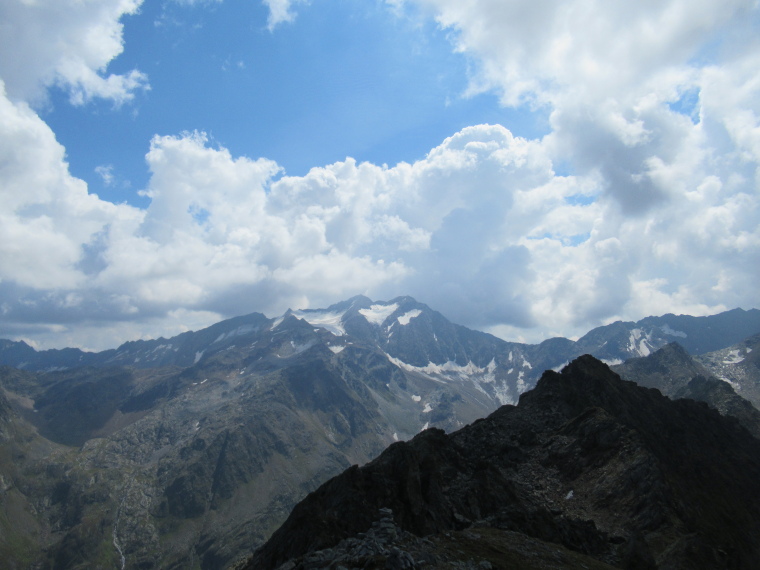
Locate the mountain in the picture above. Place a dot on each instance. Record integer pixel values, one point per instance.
(418, 340)
(698, 335)
(721, 396)
(739, 365)
(199, 449)
(587, 466)
(669, 369)
(191, 451)
(678, 375)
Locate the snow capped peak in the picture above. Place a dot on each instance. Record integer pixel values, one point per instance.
(377, 313)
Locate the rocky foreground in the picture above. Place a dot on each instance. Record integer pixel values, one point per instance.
(588, 471)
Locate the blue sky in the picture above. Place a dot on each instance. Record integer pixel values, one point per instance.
(531, 169)
(344, 79)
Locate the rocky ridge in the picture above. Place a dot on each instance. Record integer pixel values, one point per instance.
(677, 375)
(598, 465)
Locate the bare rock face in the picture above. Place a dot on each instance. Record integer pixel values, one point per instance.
(586, 462)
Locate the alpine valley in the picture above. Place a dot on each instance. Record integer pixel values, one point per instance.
(190, 452)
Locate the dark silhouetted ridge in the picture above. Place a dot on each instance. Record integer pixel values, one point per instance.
(586, 462)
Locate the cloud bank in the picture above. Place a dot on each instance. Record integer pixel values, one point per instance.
(643, 199)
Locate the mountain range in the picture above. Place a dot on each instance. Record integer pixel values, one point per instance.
(587, 471)
(191, 451)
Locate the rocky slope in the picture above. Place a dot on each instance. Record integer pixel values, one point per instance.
(586, 461)
(678, 375)
(739, 365)
(189, 452)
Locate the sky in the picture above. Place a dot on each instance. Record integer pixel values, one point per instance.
(527, 168)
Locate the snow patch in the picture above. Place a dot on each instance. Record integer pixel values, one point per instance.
(451, 371)
(427, 425)
(737, 387)
(408, 316)
(332, 322)
(638, 343)
(449, 368)
(241, 330)
(299, 348)
(612, 362)
(377, 314)
(733, 358)
(503, 394)
(416, 398)
(521, 385)
(427, 409)
(336, 349)
(395, 436)
(198, 356)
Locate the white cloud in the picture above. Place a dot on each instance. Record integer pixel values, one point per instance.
(660, 215)
(67, 43)
(47, 215)
(105, 171)
(280, 11)
(482, 229)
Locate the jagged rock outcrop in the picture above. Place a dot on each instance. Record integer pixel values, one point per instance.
(588, 461)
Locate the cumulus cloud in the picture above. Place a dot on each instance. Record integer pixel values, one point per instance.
(658, 214)
(68, 43)
(482, 228)
(47, 214)
(671, 183)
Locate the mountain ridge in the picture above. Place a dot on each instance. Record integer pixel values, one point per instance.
(603, 482)
(730, 326)
(192, 450)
